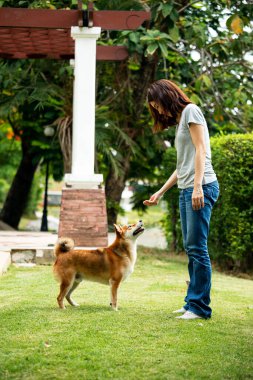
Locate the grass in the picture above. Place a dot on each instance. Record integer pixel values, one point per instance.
(141, 341)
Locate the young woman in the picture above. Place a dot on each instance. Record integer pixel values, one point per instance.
(198, 186)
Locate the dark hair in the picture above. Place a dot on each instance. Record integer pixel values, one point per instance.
(171, 98)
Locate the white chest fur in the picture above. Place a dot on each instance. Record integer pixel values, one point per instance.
(129, 268)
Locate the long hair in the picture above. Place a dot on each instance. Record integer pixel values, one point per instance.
(171, 98)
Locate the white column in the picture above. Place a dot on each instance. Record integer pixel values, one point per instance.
(83, 142)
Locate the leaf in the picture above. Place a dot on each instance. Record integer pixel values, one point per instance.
(133, 66)
(164, 36)
(195, 99)
(146, 39)
(152, 48)
(174, 15)
(235, 24)
(198, 5)
(217, 115)
(174, 34)
(163, 48)
(206, 80)
(166, 9)
(134, 37)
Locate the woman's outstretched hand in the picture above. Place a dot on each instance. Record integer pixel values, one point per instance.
(153, 200)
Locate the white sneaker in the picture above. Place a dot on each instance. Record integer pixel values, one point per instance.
(189, 315)
(179, 311)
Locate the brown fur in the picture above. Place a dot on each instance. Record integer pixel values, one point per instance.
(109, 265)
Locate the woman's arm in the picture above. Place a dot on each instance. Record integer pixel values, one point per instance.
(198, 139)
(154, 199)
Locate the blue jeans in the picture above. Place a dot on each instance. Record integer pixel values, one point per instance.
(195, 229)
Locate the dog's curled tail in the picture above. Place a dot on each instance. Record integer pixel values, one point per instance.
(63, 245)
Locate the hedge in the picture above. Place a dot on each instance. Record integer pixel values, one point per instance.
(231, 232)
(231, 237)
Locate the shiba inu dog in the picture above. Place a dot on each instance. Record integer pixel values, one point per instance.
(109, 266)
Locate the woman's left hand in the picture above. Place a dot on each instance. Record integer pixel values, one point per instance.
(198, 198)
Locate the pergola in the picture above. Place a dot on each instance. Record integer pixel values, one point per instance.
(66, 34)
(42, 33)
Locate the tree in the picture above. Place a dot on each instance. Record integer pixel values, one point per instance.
(29, 104)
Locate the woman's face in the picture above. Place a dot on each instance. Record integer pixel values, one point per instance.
(159, 109)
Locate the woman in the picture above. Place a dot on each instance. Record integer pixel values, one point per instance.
(198, 186)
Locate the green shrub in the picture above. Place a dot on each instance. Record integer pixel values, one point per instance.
(231, 232)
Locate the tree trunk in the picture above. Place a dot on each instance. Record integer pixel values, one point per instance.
(16, 200)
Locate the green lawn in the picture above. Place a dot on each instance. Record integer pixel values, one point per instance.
(141, 341)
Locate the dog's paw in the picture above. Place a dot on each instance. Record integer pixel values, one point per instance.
(113, 307)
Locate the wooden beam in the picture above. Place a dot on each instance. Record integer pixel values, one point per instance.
(57, 19)
(120, 20)
(104, 53)
(111, 53)
(38, 18)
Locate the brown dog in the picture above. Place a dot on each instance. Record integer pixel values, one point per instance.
(109, 266)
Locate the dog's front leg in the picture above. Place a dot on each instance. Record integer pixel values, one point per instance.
(114, 284)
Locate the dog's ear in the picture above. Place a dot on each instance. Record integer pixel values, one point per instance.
(118, 230)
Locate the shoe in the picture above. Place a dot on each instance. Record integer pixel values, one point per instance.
(179, 311)
(189, 315)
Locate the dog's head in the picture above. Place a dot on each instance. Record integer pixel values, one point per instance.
(129, 231)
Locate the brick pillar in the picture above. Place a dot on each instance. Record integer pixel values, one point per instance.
(83, 217)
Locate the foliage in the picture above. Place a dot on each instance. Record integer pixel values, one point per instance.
(207, 58)
(232, 230)
(10, 153)
(29, 103)
(141, 341)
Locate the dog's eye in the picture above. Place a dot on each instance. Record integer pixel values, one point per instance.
(129, 227)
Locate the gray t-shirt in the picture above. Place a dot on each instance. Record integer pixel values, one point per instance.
(186, 150)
